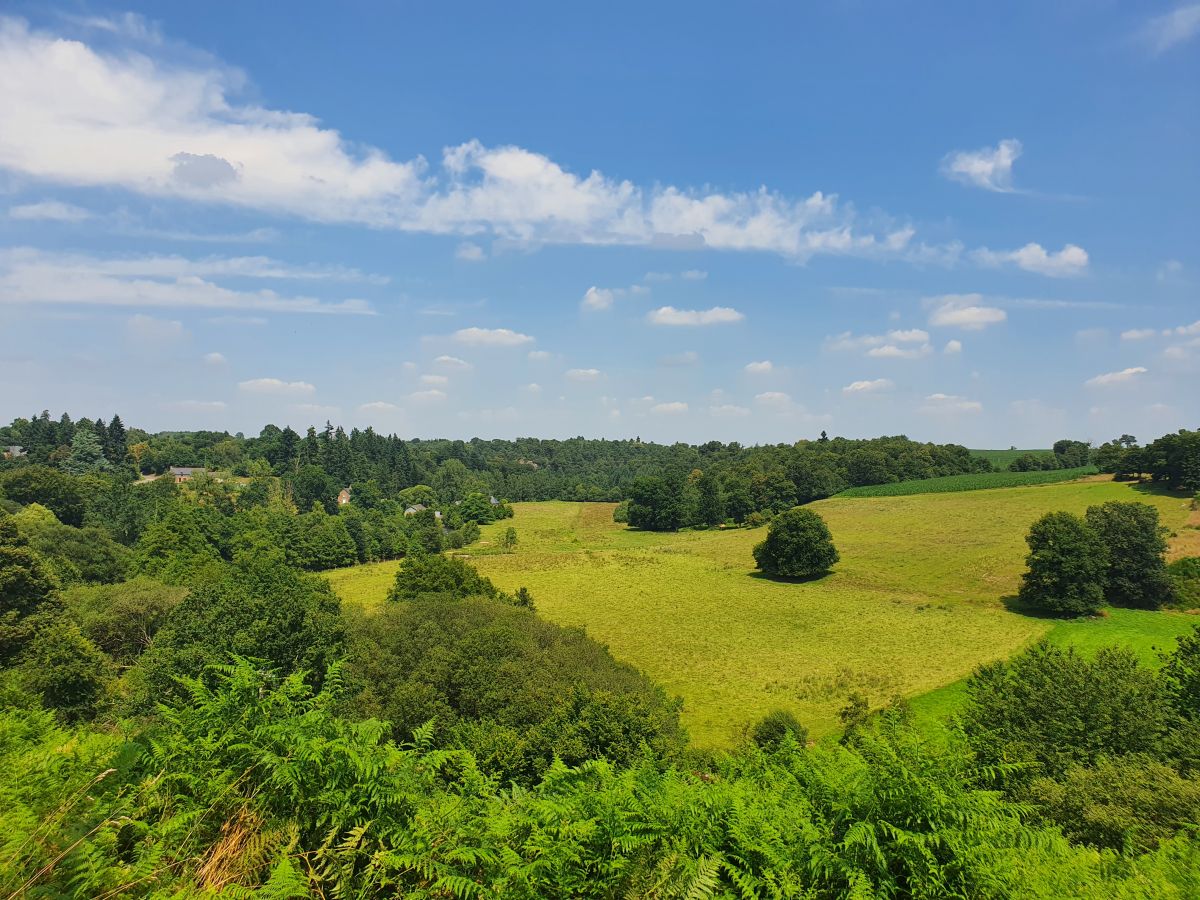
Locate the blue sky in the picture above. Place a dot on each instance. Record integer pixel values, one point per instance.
(684, 222)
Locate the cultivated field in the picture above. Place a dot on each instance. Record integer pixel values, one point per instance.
(914, 605)
(981, 481)
(1002, 458)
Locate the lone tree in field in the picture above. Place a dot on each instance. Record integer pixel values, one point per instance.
(798, 545)
(1068, 566)
(1136, 543)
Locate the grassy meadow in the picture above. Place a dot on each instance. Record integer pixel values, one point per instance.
(914, 605)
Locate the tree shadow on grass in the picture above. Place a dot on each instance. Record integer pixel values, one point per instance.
(786, 579)
(1157, 489)
(1014, 605)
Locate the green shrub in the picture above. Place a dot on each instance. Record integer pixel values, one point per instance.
(798, 545)
(771, 730)
(1067, 566)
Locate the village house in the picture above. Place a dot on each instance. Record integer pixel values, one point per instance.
(14, 451)
(343, 496)
(185, 473)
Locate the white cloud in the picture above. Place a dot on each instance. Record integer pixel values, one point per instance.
(989, 168)
(491, 337)
(452, 362)
(277, 387)
(965, 311)
(672, 408)
(1185, 330)
(435, 380)
(433, 395)
(718, 315)
(891, 351)
(597, 299)
(29, 276)
(952, 347)
(909, 336)
(1070, 260)
(728, 410)
(49, 211)
(866, 387)
(773, 399)
(657, 277)
(533, 388)
(214, 358)
(949, 404)
(1138, 334)
(762, 367)
(686, 358)
(1168, 30)
(693, 275)
(1111, 378)
(469, 252)
(149, 330)
(583, 374)
(378, 406)
(168, 124)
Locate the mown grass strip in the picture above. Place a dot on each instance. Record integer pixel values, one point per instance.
(953, 483)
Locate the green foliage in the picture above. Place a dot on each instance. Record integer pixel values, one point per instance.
(73, 554)
(798, 545)
(27, 591)
(318, 541)
(621, 513)
(1044, 462)
(974, 482)
(87, 454)
(1129, 803)
(446, 577)
(122, 619)
(1137, 546)
(65, 670)
(1181, 674)
(1053, 708)
(509, 541)
(770, 732)
(1067, 566)
(57, 491)
(657, 503)
(289, 621)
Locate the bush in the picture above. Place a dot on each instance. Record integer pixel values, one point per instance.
(621, 512)
(447, 577)
(122, 619)
(769, 732)
(1137, 545)
(798, 545)
(1185, 581)
(1067, 566)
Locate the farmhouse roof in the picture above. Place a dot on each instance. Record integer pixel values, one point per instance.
(187, 470)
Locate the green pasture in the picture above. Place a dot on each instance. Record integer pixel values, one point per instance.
(916, 602)
(1001, 458)
(973, 482)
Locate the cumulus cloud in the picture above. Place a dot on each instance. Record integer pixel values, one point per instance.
(1138, 334)
(989, 168)
(378, 406)
(538, 355)
(48, 211)
(693, 275)
(1111, 378)
(469, 252)
(433, 395)
(533, 387)
(105, 114)
(491, 337)
(891, 351)
(718, 315)
(276, 387)
(214, 358)
(29, 276)
(583, 374)
(884, 345)
(868, 387)
(966, 311)
(952, 347)
(436, 380)
(452, 362)
(672, 408)
(597, 299)
(762, 367)
(1070, 260)
(949, 404)
(1171, 29)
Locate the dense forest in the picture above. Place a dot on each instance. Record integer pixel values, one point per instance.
(189, 711)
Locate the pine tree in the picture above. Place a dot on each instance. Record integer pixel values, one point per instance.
(117, 446)
(87, 454)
